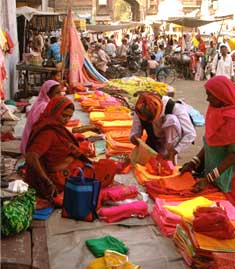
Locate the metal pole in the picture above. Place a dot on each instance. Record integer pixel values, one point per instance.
(221, 26)
(93, 11)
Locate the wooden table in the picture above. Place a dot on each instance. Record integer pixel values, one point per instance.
(26, 69)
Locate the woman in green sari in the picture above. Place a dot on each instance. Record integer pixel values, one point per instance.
(217, 157)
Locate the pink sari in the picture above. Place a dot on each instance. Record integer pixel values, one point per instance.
(37, 109)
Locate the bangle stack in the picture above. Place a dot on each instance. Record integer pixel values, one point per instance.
(213, 175)
(195, 160)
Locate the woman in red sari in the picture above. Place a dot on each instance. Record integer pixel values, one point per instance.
(52, 152)
(217, 157)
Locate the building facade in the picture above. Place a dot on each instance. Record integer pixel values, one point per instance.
(102, 11)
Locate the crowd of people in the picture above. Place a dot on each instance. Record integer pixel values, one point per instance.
(152, 52)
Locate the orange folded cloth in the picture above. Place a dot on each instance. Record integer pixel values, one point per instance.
(213, 244)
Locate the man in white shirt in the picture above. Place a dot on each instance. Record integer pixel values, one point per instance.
(102, 59)
(110, 49)
(223, 64)
(123, 49)
(168, 134)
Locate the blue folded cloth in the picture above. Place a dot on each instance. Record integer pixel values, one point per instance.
(42, 214)
(197, 118)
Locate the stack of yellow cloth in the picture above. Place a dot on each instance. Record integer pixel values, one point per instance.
(114, 125)
(186, 208)
(111, 260)
(109, 116)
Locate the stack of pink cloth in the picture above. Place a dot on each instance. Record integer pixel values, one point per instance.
(118, 192)
(164, 219)
(230, 209)
(137, 209)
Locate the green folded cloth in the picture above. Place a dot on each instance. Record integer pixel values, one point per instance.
(10, 102)
(98, 245)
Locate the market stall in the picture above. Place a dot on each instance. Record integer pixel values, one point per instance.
(26, 69)
(30, 19)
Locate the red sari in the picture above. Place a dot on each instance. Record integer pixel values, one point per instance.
(53, 143)
(220, 122)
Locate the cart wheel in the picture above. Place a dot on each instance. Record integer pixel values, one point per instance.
(171, 75)
(161, 76)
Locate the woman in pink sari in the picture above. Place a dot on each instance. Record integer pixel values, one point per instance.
(48, 90)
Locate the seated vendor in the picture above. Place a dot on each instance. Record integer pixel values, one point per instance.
(48, 90)
(168, 134)
(52, 152)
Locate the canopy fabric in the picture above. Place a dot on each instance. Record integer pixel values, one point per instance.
(110, 28)
(190, 21)
(29, 12)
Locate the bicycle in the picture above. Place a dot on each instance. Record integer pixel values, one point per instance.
(166, 74)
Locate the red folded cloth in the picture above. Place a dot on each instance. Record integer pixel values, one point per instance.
(118, 193)
(214, 222)
(115, 213)
(160, 167)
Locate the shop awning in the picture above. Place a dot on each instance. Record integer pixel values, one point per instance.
(29, 12)
(191, 22)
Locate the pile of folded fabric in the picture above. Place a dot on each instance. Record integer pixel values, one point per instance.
(97, 99)
(119, 202)
(118, 192)
(110, 252)
(206, 234)
(165, 220)
(179, 188)
(111, 214)
(112, 259)
(143, 176)
(98, 141)
(118, 142)
(107, 126)
(97, 116)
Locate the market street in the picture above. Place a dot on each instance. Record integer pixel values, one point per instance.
(193, 93)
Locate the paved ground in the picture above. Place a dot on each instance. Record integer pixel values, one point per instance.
(194, 94)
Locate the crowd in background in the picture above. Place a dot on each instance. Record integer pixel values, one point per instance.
(154, 50)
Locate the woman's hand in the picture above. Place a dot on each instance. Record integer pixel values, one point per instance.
(200, 185)
(187, 167)
(50, 190)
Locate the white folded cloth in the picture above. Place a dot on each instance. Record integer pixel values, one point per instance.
(18, 186)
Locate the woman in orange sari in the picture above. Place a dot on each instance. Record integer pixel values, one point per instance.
(52, 152)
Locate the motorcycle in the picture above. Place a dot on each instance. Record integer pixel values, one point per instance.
(134, 60)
